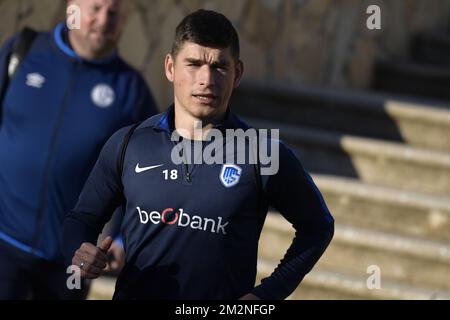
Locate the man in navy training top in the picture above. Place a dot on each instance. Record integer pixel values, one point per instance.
(69, 95)
(191, 231)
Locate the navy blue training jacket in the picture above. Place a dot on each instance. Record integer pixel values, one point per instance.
(56, 115)
(190, 236)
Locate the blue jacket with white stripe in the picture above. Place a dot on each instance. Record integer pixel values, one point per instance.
(189, 231)
(57, 113)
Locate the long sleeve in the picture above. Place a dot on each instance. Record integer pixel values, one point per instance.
(293, 193)
(144, 106)
(101, 195)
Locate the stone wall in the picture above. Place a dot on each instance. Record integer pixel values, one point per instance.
(323, 42)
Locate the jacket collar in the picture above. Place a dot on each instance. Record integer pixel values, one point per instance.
(61, 37)
(166, 121)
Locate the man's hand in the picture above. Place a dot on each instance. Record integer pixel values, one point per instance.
(92, 260)
(249, 296)
(116, 255)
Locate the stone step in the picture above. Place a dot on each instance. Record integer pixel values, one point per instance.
(102, 288)
(373, 161)
(413, 79)
(386, 209)
(432, 48)
(414, 121)
(319, 284)
(322, 284)
(353, 250)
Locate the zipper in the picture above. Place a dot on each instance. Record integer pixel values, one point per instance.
(187, 174)
(51, 153)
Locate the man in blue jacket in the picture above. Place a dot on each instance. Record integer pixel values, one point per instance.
(69, 94)
(191, 228)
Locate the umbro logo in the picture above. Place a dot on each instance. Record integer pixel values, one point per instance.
(35, 80)
(143, 169)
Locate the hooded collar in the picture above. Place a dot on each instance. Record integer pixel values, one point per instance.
(61, 37)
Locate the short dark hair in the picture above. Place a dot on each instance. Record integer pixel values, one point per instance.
(207, 28)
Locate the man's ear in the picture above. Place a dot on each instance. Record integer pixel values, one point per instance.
(169, 67)
(238, 74)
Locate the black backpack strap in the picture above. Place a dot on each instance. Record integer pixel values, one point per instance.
(257, 169)
(123, 148)
(258, 178)
(18, 52)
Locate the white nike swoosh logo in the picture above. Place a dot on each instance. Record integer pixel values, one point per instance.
(139, 170)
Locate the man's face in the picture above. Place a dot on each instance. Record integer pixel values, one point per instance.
(203, 79)
(101, 24)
